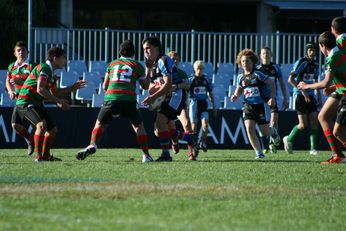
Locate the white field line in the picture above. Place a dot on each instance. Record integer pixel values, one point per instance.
(63, 187)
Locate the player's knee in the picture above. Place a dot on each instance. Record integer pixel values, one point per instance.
(17, 127)
(40, 126)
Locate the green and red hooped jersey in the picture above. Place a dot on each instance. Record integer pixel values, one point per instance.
(341, 42)
(336, 64)
(15, 71)
(123, 73)
(28, 93)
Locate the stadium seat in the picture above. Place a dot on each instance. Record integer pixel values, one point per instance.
(187, 67)
(6, 101)
(86, 94)
(78, 66)
(3, 85)
(98, 66)
(286, 69)
(225, 68)
(237, 105)
(93, 77)
(68, 78)
(209, 70)
(225, 79)
(97, 100)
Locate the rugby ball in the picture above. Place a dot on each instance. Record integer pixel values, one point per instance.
(157, 103)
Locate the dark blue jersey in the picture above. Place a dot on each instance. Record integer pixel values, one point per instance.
(306, 71)
(272, 70)
(255, 89)
(199, 87)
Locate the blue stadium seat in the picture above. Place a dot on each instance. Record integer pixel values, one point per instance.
(225, 68)
(78, 66)
(98, 66)
(225, 79)
(187, 67)
(93, 77)
(237, 105)
(86, 94)
(6, 101)
(209, 70)
(68, 78)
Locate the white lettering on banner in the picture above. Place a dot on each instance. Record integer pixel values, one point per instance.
(3, 127)
(234, 138)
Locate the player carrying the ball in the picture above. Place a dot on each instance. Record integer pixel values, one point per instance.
(160, 66)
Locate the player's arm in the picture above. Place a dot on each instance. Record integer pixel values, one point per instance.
(144, 81)
(270, 83)
(317, 85)
(165, 87)
(238, 91)
(185, 85)
(66, 90)
(9, 88)
(212, 100)
(106, 82)
(283, 90)
(45, 93)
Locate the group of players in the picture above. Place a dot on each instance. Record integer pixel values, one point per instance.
(32, 85)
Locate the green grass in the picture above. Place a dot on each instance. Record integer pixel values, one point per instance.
(224, 190)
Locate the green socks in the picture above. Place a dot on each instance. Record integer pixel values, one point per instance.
(293, 133)
(313, 139)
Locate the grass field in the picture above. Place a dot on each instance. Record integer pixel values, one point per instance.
(224, 190)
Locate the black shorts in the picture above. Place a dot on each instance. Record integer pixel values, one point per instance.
(172, 106)
(16, 119)
(255, 112)
(341, 116)
(335, 95)
(302, 107)
(35, 114)
(116, 108)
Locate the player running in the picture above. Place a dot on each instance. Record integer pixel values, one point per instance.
(161, 67)
(258, 89)
(41, 85)
(120, 100)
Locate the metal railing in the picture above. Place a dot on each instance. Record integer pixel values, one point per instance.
(103, 44)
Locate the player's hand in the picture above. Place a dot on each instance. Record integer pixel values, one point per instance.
(302, 86)
(234, 98)
(12, 95)
(63, 104)
(148, 100)
(272, 102)
(79, 84)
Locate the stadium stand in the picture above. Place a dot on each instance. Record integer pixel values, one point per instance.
(6, 101)
(93, 77)
(85, 94)
(68, 78)
(78, 66)
(98, 66)
(187, 67)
